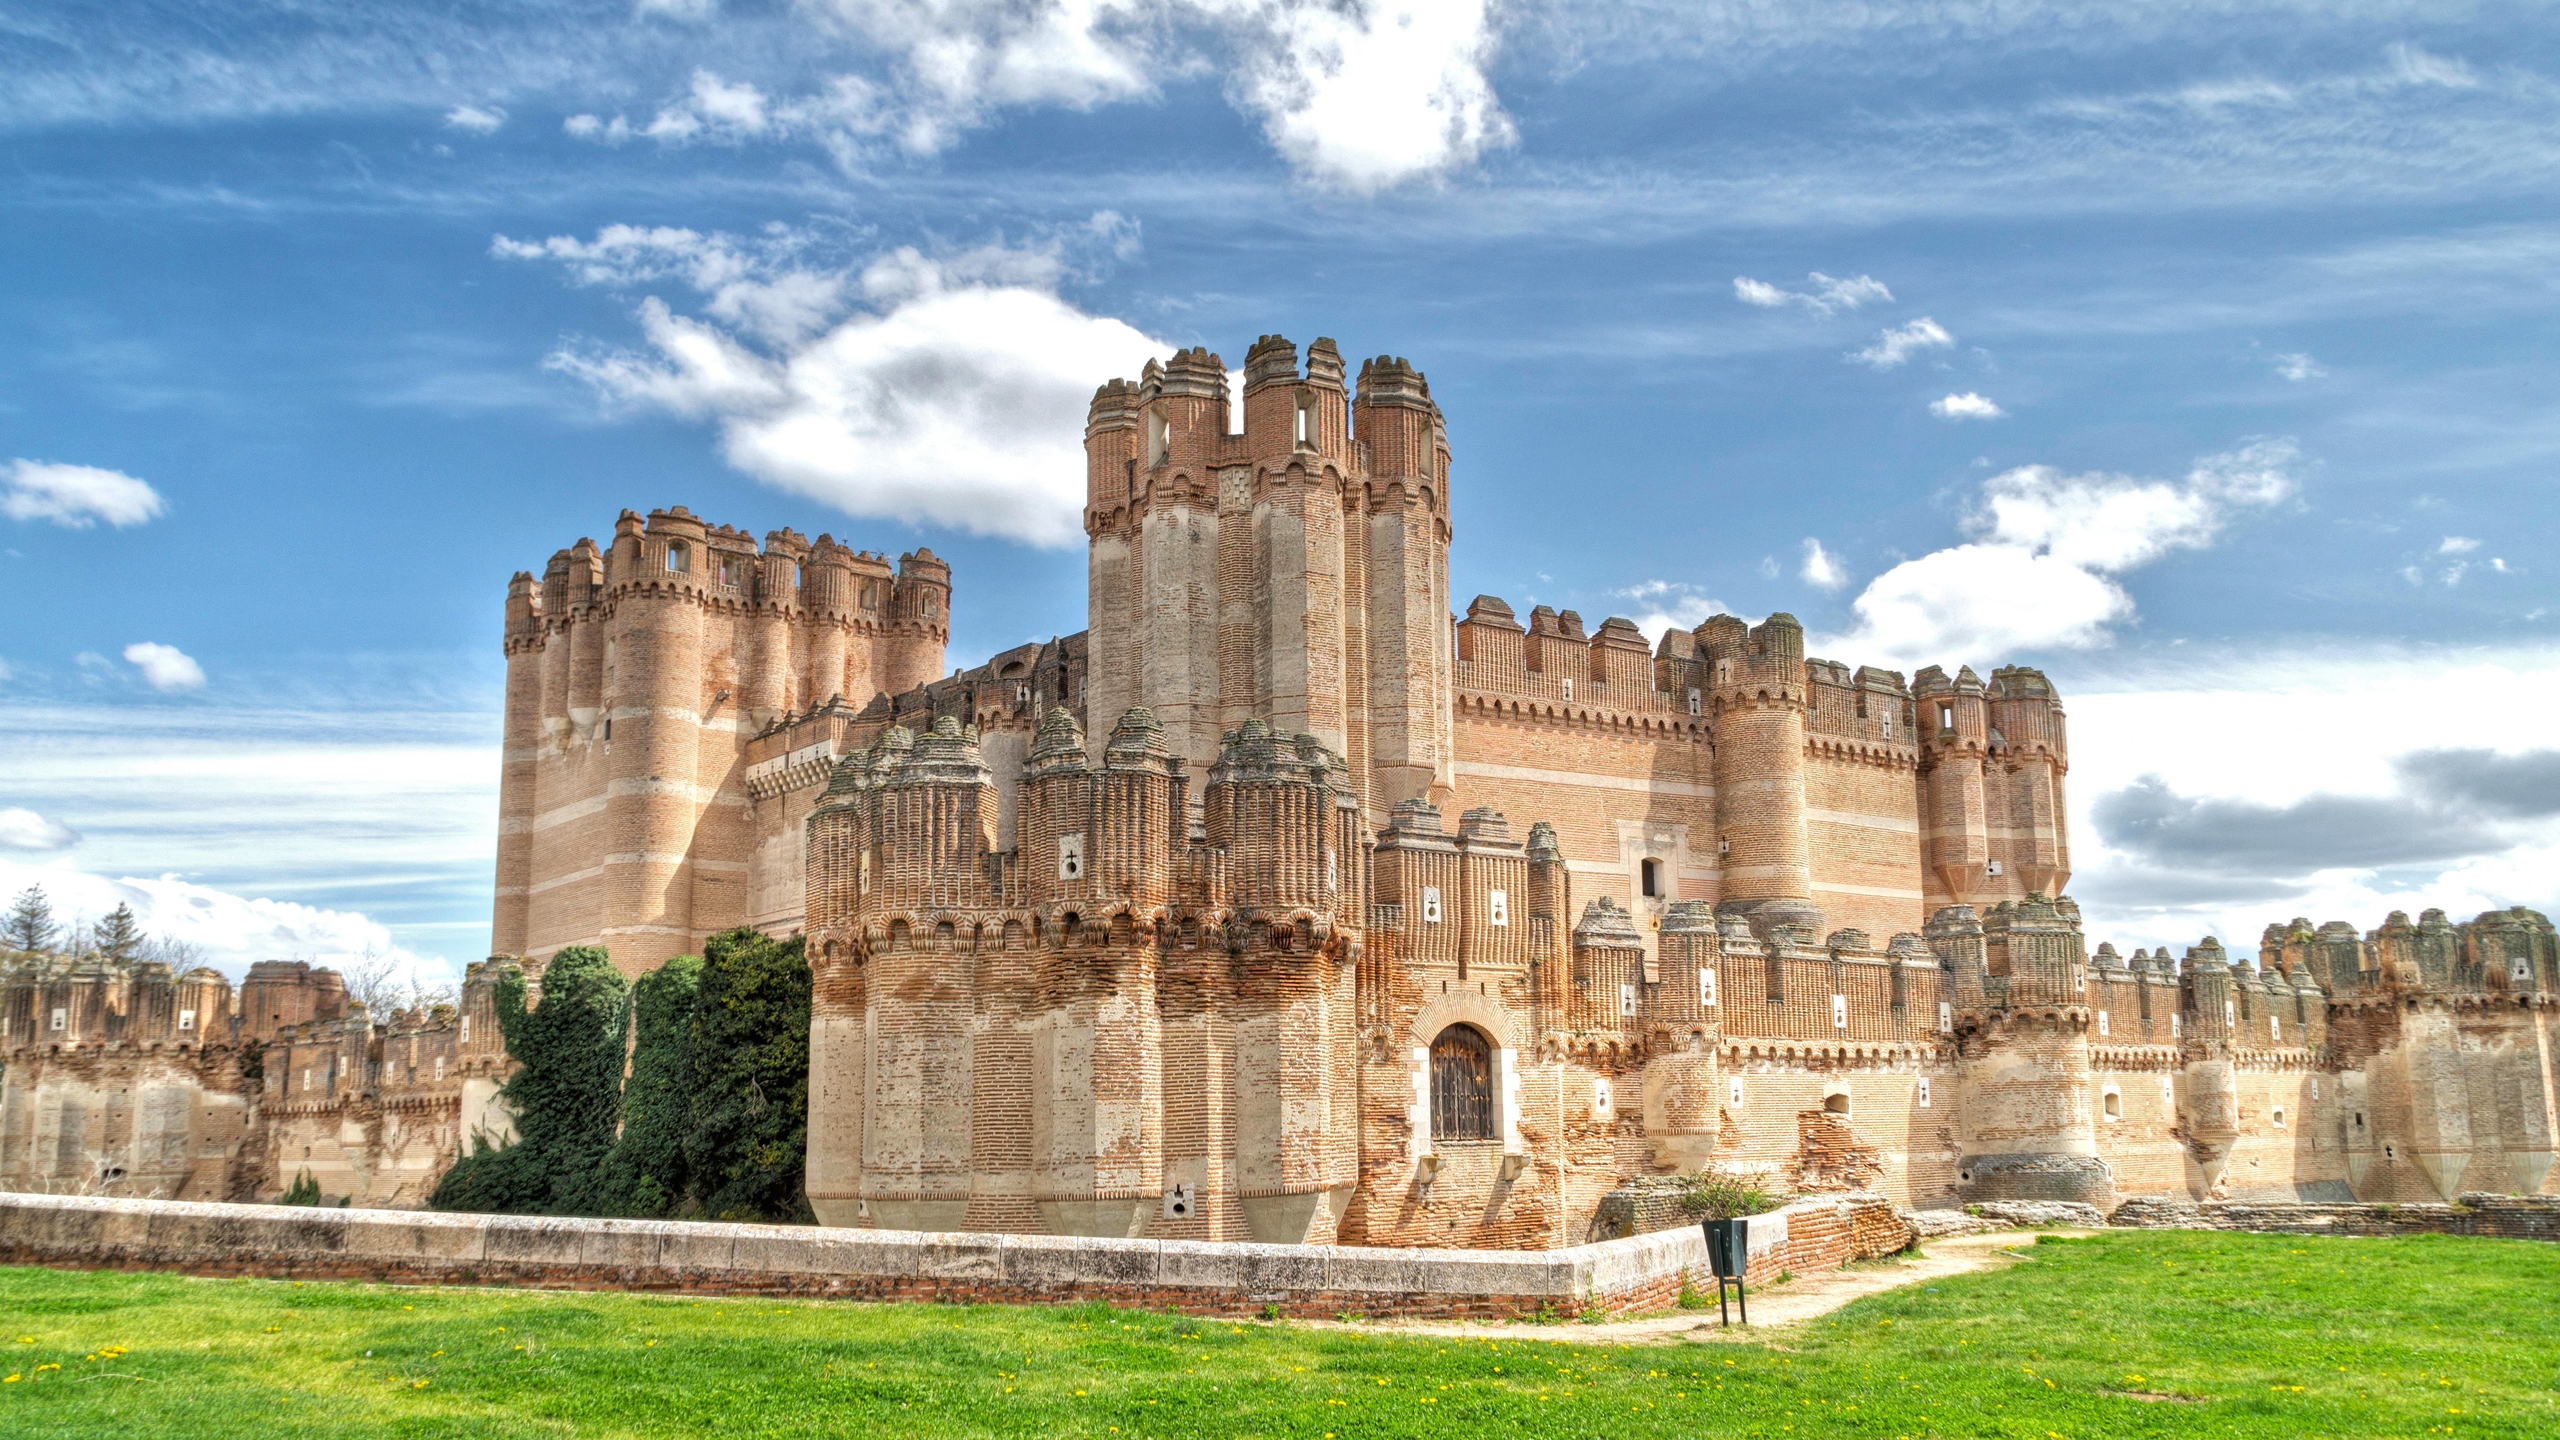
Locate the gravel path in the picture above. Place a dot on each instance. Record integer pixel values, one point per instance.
(1774, 1309)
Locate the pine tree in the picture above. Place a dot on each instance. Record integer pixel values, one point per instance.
(30, 925)
(119, 938)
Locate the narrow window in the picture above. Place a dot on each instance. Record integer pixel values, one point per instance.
(1071, 856)
(2275, 1029)
(1884, 727)
(186, 1019)
(1707, 988)
(2113, 1103)
(1839, 1012)
(61, 1018)
(1626, 999)
(1651, 873)
(2279, 1117)
(1993, 868)
(1736, 1091)
(1498, 909)
(1430, 904)
(2102, 1024)
(932, 607)
(679, 557)
(2168, 1090)
(1600, 1097)
(1924, 1092)
(1159, 437)
(1946, 1018)
(466, 1029)
(1461, 1085)
(1946, 717)
(2173, 1027)
(1693, 700)
(1305, 434)
(1568, 687)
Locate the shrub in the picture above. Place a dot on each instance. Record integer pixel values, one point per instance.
(303, 1191)
(1723, 1195)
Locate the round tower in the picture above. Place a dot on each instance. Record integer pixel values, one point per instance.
(827, 610)
(652, 735)
(1756, 687)
(919, 623)
(521, 746)
(766, 683)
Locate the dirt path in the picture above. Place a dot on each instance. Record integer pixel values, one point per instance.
(1774, 1309)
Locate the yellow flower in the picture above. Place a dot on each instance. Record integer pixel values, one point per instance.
(417, 1384)
(12, 1380)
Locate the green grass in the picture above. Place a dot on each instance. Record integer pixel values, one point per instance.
(2246, 1335)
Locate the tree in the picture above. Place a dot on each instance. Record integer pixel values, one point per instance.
(749, 1141)
(118, 937)
(30, 925)
(645, 1173)
(383, 982)
(179, 955)
(566, 1094)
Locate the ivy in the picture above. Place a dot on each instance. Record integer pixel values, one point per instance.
(566, 1094)
(645, 1173)
(747, 1145)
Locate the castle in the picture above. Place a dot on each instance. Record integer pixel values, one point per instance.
(1286, 903)
(138, 1080)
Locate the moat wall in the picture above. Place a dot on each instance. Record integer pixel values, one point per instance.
(1640, 1273)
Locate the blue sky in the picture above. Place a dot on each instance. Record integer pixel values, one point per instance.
(2199, 353)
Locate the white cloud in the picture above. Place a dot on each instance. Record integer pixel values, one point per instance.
(1821, 570)
(2295, 365)
(478, 119)
(24, 829)
(1828, 294)
(1357, 97)
(376, 799)
(76, 496)
(1900, 343)
(1967, 406)
(2412, 66)
(1670, 605)
(2039, 571)
(164, 667)
(231, 930)
(2457, 545)
(2229, 726)
(1367, 97)
(943, 389)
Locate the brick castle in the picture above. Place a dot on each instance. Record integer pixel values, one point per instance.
(1284, 903)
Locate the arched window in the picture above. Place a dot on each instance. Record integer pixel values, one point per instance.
(1461, 1085)
(1836, 1105)
(679, 557)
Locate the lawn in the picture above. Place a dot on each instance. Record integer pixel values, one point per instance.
(2146, 1333)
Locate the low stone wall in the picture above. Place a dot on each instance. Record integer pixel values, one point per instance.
(1637, 1274)
(2514, 1217)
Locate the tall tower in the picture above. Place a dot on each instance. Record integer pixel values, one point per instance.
(1296, 572)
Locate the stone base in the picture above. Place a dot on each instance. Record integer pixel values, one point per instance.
(2082, 1179)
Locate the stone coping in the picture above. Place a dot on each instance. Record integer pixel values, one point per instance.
(433, 1247)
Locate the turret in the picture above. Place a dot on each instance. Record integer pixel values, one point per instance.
(1756, 692)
